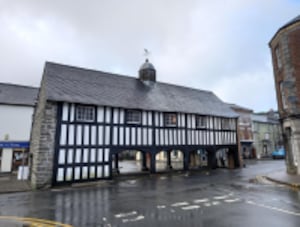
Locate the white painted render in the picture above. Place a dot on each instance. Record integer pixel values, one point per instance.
(15, 122)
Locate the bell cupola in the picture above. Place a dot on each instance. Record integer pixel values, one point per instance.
(147, 72)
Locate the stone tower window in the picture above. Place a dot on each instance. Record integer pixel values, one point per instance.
(278, 57)
(283, 98)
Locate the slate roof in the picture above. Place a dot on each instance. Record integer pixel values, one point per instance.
(78, 85)
(294, 20)
(13, 94)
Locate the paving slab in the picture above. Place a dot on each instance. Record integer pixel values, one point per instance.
(282, 177)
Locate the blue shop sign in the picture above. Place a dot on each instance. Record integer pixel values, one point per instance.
(13, 144)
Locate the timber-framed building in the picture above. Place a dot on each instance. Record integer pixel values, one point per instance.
(85, 118)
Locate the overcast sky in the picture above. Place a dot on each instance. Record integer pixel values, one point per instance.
(217, 45)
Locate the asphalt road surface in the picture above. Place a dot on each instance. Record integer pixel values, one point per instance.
(217, 198)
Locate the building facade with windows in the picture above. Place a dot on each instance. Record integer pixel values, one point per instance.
(85, 118)
(245, 131)
(285, 50)
(16, 110)
(267, 135)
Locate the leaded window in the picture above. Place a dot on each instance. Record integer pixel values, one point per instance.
(85, 113)
(200, 121)
(170, 119)
(133, 117)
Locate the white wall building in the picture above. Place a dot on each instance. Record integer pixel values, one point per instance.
(16, 109)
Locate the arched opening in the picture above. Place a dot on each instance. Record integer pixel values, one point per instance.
(198, 159)
(167, 160)
(130, 161)
(222, 158)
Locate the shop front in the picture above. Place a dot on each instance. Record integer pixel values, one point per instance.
(13, 154)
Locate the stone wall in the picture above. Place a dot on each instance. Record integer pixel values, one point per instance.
(287, 84)
(42, 142)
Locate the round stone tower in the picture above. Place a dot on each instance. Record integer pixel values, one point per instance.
(285, 49)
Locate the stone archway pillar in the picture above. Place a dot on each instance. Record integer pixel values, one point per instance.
(186, 161)
(153, 163)
(169, 164)
(211, 159)
(144, 162)
(116, 167)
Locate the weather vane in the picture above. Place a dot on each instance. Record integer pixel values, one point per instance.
(146, 53)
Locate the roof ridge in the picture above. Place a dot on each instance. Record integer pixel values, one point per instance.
(126, 76)
(18, 85)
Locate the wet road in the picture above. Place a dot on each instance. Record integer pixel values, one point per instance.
(219, 198)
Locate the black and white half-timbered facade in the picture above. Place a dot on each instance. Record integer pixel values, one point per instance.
(85, 118)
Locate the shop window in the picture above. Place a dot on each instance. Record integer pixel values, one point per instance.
(20, 158)
(133, 117)
(85, 113)
(170, 119)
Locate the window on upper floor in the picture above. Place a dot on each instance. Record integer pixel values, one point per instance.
(278, 57)
(85, 113)
(201, 121)
(170, 119)
(133, 117)
(225, 123)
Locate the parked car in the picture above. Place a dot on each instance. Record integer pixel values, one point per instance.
(280, 153)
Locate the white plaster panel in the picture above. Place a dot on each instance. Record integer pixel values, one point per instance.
(6, 162)
(100, 135)
(100, 114)
(71, 135)
(77, 173)
(99, 172)
(144, 118)
(115, 134)
(63, 134)
(121, 116)
(106, 154)
(100, 155)
(145, 136)
(86, 135)
(72, 117)
(93, 155)
(133, 132)
(150, 118)
(93, 135)
(106, 171)
(78, 135)
(139, 136)
(15, 122)
(70, 156)
(121, 139)
(65, 109)
(127, 135)
(116, 115)
(149, 136)
(92, 172)
(107, 135)
(69, 174)
(108, 115)
(78, 156)
(182, 120)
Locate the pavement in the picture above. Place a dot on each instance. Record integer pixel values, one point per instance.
(281, 177)
(9, 182)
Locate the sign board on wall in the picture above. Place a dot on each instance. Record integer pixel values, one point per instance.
(14, 144)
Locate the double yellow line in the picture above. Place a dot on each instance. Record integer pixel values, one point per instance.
(34, 222)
